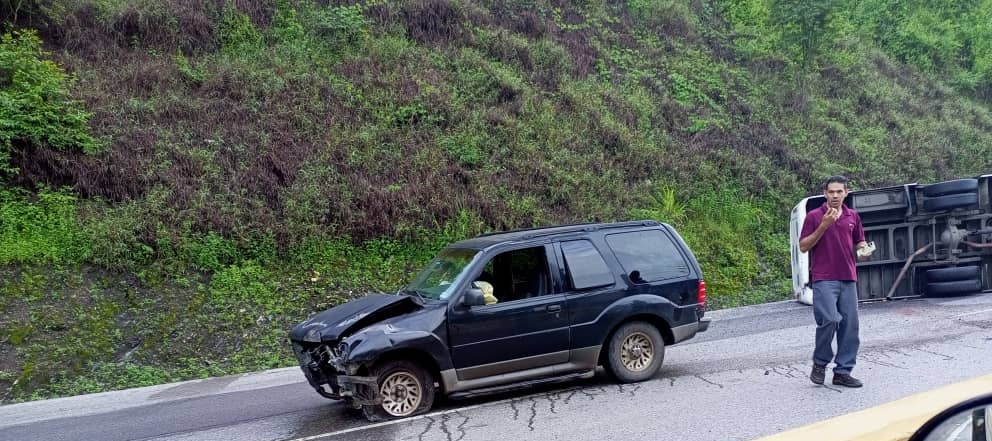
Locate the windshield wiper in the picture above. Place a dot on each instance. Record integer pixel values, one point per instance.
(408, 291)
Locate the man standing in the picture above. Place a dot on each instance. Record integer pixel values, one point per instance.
(831, 234)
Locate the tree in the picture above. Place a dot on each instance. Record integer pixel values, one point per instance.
(804, 26)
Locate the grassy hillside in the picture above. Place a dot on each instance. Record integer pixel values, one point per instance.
(182, 182)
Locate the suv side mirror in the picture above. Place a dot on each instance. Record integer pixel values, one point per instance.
(969, 417)
(473, 297)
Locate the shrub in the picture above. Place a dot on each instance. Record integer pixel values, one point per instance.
(35, 106)
(42, 229)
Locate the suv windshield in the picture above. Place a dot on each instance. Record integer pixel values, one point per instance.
(437, 279)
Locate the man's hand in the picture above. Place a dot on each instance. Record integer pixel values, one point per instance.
(864, 250)
(830, 217)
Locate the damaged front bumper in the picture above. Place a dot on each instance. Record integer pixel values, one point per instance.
(328, 375)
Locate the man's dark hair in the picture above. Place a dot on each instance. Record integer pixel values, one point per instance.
(834, 180)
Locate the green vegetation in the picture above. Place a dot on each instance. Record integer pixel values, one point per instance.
(181, 182)
(35, 108)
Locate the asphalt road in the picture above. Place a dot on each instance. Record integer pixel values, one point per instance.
(744, 378)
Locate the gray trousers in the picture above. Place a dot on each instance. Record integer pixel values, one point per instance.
(835, 308)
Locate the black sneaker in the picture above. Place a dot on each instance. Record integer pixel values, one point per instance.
(846, 380)
(818, 374)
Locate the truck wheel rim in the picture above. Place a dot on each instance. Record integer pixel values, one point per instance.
(636, 352)
(401, 394)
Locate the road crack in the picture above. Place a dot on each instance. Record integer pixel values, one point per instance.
(451, 431)
(553, 400)
(430, 425)
(832, 388)
(801, 372)
(896, 350)
(944, 356)
(461, 426)
(708, 381)
(516, 411)
(592, 396)
(875, 360)
(533, 414)
(572, 394)
(623, 389)
(787, 373)
(444, 427)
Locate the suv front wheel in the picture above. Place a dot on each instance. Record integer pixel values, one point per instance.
(635, 352)
(406, 390)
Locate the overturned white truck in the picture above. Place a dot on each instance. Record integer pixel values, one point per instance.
(930, 239)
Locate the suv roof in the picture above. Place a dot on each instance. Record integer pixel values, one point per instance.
(488, 239)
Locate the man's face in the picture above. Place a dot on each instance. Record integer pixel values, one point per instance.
(835, 193)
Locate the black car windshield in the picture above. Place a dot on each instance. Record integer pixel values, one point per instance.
(438, 279)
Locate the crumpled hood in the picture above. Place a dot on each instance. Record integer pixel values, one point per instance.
(356, 314)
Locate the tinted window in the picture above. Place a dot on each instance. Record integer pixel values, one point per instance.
(586, 267)
(651, 252)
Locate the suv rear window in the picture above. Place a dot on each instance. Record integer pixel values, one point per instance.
(651, 252)
(586, 267)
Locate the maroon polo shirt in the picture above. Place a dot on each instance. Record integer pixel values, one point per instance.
(832, 258)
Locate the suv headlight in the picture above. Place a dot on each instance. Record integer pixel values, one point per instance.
(312, 336)
(342, 350)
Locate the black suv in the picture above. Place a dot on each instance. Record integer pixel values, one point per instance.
(507, 310)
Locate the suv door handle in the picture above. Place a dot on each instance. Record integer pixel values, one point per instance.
(554, 308)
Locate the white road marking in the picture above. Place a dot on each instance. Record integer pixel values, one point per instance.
(964, 425)
(973, 313)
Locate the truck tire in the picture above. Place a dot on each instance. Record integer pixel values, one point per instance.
(953, 274)
(951, 202)
(406, 390)
(956, 288)
(634, 352)
(951, 187)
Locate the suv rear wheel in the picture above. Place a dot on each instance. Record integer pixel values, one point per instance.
(635, 352)
(406, 390)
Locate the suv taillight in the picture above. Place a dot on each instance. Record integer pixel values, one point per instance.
(701, 293)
